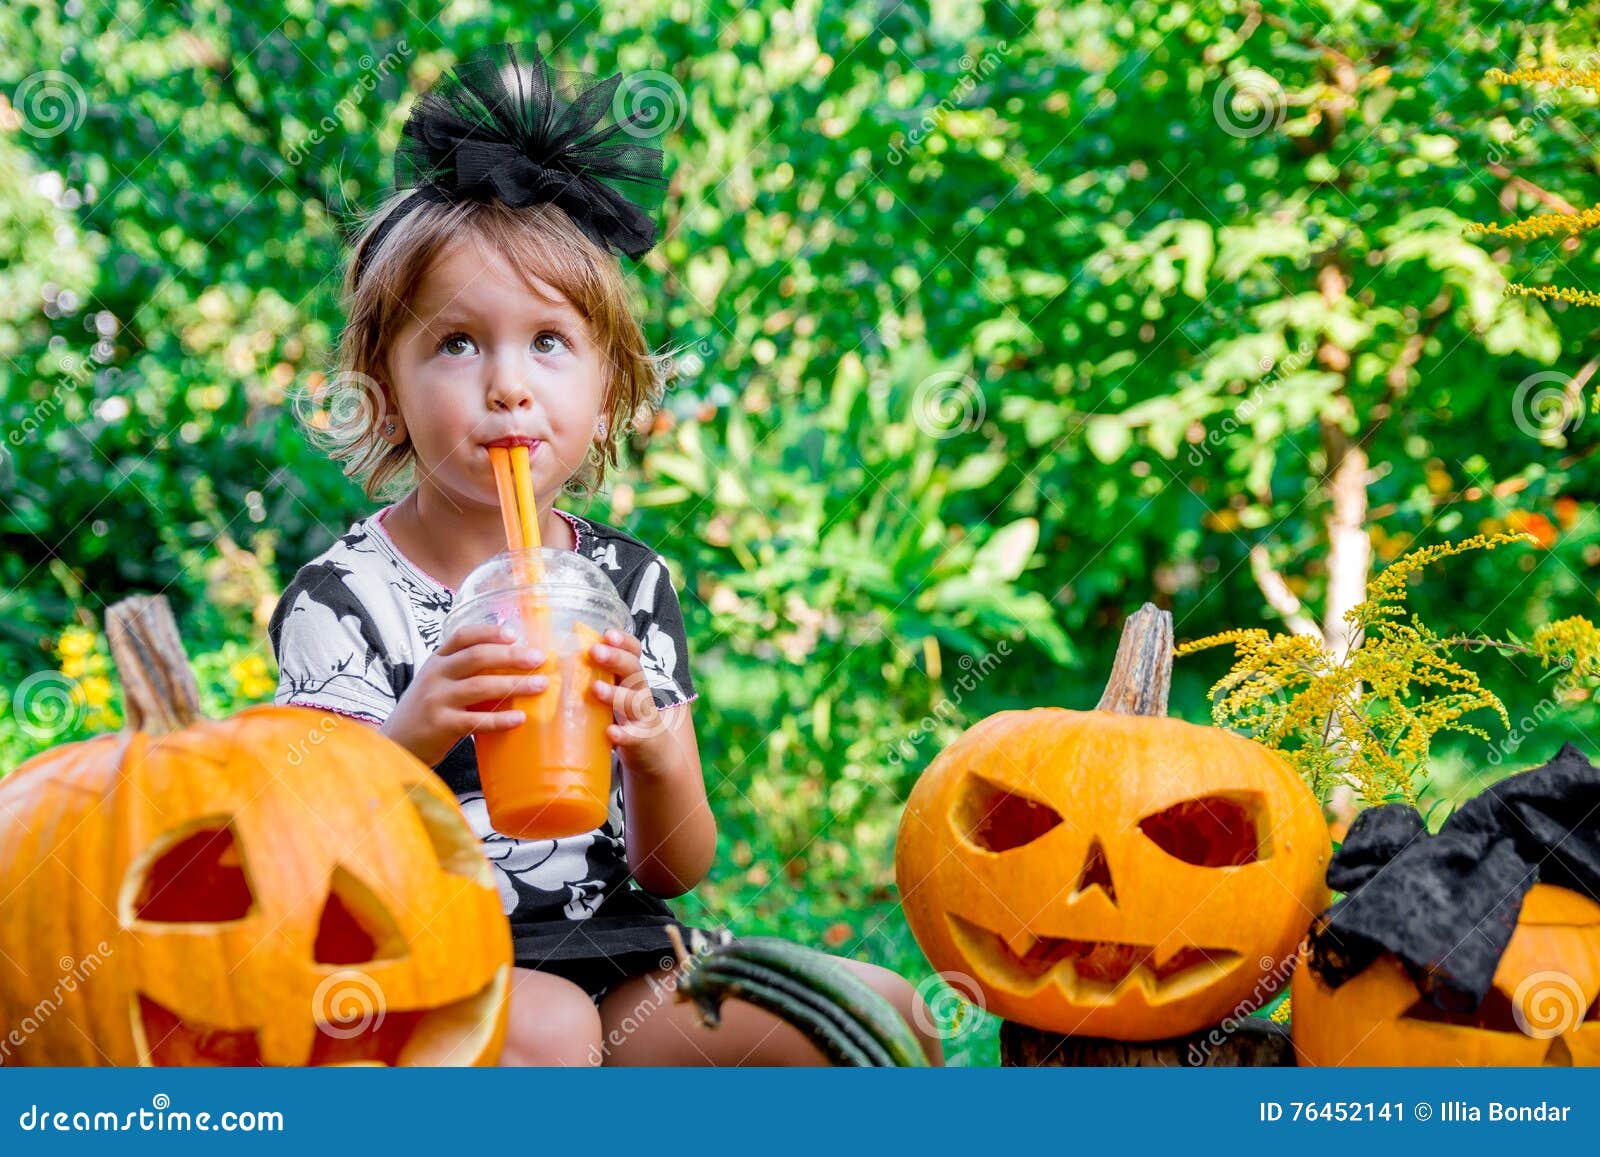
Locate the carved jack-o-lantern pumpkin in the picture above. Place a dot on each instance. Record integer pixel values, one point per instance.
(1112, 873)
(1544, 1007)
(282, 887)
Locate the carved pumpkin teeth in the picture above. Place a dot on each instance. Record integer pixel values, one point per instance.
(1021, 943)
(1091, 968)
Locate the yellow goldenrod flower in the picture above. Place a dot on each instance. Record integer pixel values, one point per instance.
(1554, 292)
(75, 643)
(1366, 716)
(1561, 77)
(1546, 225)
(250, 675)
(96, 691)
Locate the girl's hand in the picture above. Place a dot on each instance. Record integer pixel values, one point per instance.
(640, 726)
(468, 669)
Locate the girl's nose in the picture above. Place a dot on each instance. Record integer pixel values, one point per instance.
(509, 387)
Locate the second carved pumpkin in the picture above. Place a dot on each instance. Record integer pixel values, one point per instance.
(1113, 873)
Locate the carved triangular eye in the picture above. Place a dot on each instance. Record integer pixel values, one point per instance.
(1496, 1013)
(194, 875)
(1213, 831)
(355, 927)
(458, 850)
(998, 819)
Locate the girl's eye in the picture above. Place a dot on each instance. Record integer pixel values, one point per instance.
(445, 345)
(548, 337)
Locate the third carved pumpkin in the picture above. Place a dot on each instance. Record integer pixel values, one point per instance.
(1544, 1008)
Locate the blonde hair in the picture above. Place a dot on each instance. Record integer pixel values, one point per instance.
(540, 239)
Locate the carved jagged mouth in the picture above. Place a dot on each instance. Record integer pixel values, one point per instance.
(451, 1034)
(1090, 970)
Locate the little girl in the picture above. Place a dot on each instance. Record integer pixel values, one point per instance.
(484, 302)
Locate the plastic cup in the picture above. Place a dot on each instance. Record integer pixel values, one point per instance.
(550, 776)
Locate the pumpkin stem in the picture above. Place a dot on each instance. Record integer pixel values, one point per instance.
(678, 949)
(158, 687)
(1141, 674)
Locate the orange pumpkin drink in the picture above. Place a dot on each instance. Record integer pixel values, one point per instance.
(551, 775)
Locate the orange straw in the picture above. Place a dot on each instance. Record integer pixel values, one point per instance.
(513, 483)
(526, 509)
(500, 459)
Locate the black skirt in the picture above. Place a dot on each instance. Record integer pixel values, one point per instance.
(625, 937)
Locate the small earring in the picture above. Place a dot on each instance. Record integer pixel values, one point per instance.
(389, 428)
(600, 428)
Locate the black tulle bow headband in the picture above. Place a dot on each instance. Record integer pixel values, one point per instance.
(1445, 905)
(499, 127)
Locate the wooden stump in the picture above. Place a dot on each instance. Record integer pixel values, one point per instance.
(1255, 1042)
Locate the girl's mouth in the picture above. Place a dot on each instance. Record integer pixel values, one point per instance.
(515, 440)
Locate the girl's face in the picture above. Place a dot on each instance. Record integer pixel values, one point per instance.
(480, 358)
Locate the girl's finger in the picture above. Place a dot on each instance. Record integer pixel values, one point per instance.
(492, 657)
(614, 695)
(493, 688)
(636, 701)
(614, 659)
(472, 635)
(625, 640)
(468, 722)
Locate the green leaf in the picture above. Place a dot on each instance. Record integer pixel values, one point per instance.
(1007, 550)
(1108, 438)
(977, 470)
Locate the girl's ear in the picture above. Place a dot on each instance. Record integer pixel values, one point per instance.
(391, 426)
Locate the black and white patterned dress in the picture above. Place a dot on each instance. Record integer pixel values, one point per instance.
(350, 632)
